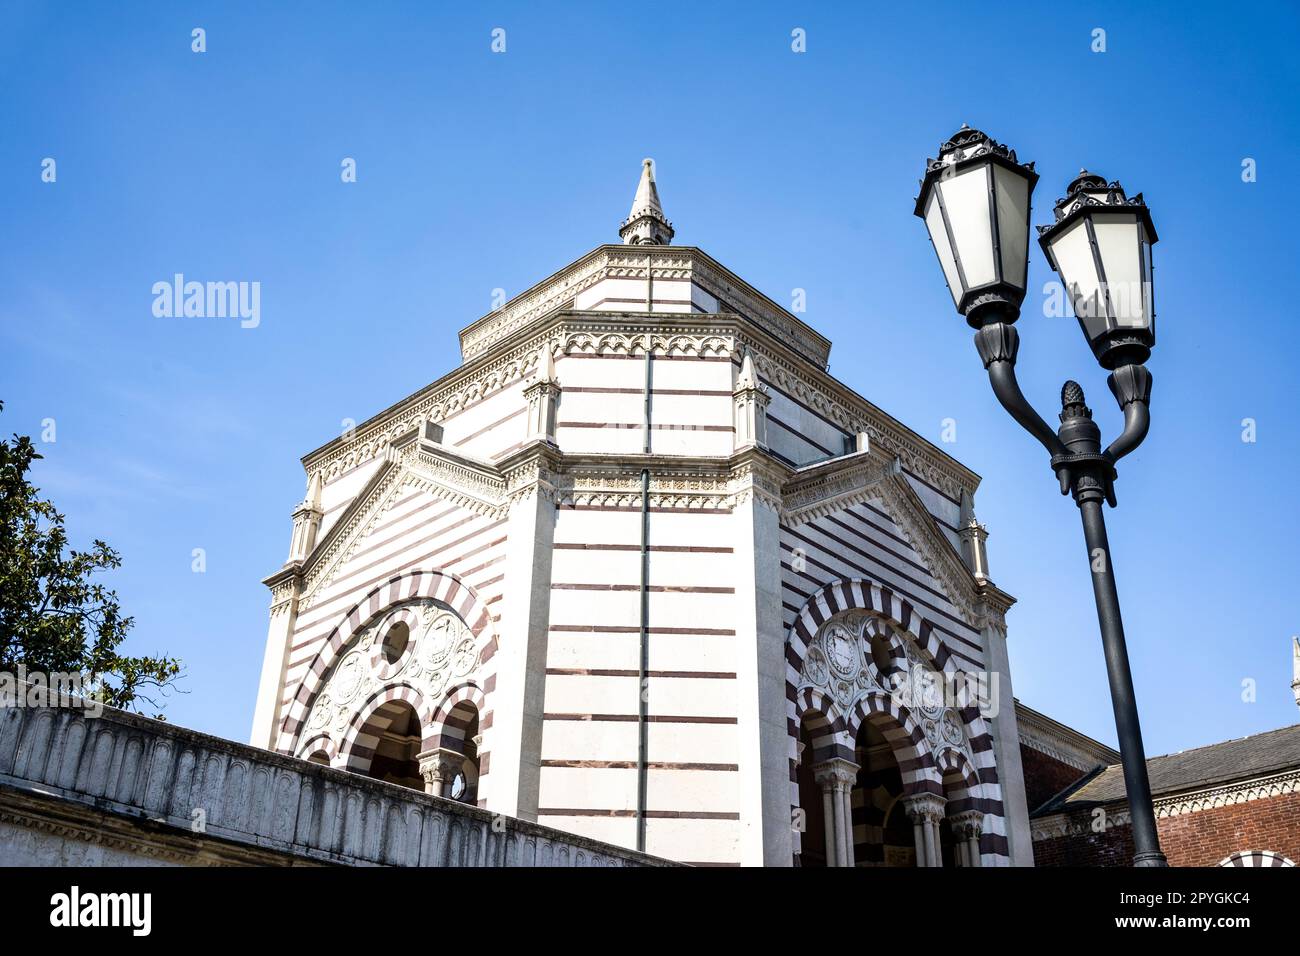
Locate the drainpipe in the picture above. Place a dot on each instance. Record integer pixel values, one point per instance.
(643, 706)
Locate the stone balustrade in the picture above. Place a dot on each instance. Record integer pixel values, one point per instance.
(121, 788)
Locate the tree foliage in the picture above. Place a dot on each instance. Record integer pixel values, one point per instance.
(54, 617)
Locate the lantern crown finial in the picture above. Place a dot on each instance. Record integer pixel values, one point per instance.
(1089, 182)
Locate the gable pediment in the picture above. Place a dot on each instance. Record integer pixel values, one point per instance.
(414, 465)
(842, 483)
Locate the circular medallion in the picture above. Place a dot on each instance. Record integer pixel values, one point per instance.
(814, 667)
(465, 658)
(440, 639)
(952, 728)
(320, 714)
(347, 680)
(842, 651)
(927, 692)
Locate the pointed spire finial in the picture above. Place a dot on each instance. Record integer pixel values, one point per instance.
(1295, 668)
(545, 365)
(748, 377)
(313, 491)
(646, 223)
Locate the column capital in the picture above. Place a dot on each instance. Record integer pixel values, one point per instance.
(439, 767)
(968, 823)
(924, 806)
(836, 770)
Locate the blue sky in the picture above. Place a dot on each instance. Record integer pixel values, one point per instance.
(479, 171)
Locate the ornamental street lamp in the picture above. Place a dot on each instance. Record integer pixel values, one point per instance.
(975, 203)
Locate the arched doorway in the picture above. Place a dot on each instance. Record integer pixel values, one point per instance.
(387, 745)
(812, 838)
(882, 832)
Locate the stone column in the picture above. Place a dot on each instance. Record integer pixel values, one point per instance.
(828, 824)
(925, 811)
(439, 768)
(836, 777)
(967, 827)
(850, 848)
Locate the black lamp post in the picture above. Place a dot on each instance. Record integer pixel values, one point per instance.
(975, 203)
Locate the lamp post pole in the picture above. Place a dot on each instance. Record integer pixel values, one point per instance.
(1088, 486)
(975, 201)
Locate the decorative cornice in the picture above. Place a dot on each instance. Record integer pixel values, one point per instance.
(835, 485)
(1060, 742)
(569, 332)
(331, 553)
(681, 263)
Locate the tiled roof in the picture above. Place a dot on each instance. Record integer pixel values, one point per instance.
(1242, 759)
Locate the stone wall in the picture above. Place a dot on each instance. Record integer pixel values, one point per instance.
(120, 789)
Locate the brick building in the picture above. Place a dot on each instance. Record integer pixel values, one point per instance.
(1234, 803)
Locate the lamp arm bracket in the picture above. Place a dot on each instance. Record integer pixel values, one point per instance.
(1131, 386)
(997, 343)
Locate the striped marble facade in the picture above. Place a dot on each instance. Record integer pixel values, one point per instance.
(508, 495)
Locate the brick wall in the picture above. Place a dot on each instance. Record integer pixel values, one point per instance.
(1045, 776)
(1191, 839)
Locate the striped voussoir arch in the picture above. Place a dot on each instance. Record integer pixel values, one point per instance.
(905, 738)
(380, 665)
(321, 743)
(826, 726)
(374, 717)
(449, 723)
(1256, 858)
(849, 594)
(440, 586)
(961, 782)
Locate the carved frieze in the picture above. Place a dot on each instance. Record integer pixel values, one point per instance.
(437, 651)
(839, 662)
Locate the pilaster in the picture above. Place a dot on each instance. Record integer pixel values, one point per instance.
(766, 835)
(1003, 726)
(286, 588)
(514, 783)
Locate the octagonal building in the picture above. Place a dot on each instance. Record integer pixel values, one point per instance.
(642, 570)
